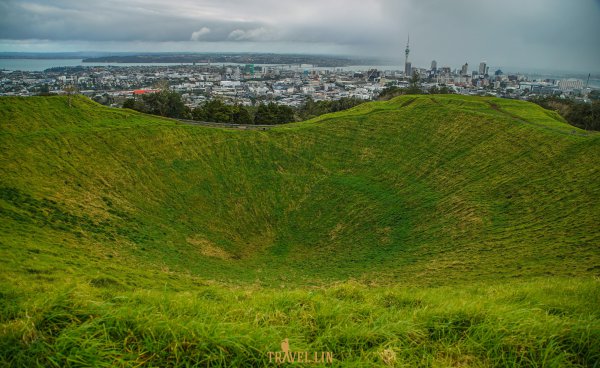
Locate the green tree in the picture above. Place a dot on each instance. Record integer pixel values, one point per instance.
(213, 111)
(344, 103)
(164, 103)
(265, 115)
(283, 114)
(444, 90)
(71, 90)
(414, 86)
(45, 89)
(163, 85)
(129, 104)
(242, 116)
(156, 103)
(175, 106)
(580, 114)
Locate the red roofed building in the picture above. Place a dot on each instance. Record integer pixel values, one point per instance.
(143, 91)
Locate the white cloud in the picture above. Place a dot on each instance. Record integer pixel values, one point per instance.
(196, 36)
(257, 34)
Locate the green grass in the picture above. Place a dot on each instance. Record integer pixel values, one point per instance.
(421, 231)
(545, 323)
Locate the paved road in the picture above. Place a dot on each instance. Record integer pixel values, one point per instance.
(225, 125)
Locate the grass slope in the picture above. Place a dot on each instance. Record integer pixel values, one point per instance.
(468, 225)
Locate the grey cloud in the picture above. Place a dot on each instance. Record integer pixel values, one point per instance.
(545, 33)
(110, 20)
(535, 33)
(262, 20)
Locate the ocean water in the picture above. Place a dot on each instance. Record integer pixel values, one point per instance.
(38, 65)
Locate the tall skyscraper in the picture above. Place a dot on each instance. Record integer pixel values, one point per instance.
(407, 65)
(433, 65)
(464, 70)
(482, 68)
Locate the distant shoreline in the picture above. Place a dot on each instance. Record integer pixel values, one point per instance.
(319, 61)
(185, 58)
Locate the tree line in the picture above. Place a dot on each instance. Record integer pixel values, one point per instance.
(168, 103)
(580, 114)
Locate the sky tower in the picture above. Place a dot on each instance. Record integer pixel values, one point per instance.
(407, 66)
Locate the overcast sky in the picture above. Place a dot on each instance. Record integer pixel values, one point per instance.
(544, 34)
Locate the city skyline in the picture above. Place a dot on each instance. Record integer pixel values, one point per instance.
(537, 34)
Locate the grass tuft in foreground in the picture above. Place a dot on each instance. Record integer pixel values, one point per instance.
(545, 322)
